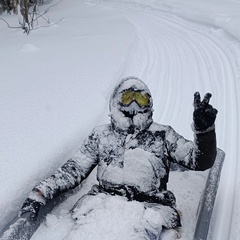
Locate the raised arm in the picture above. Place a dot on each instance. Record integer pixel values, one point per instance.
(200, 154)
(204, 116)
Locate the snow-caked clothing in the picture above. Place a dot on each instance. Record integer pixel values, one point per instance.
(133, 156)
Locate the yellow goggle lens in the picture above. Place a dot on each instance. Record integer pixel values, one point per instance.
(142, 99)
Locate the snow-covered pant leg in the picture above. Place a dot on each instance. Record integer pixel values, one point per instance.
(157, 216)
(171, 234)
(171, 216)
(104, 216)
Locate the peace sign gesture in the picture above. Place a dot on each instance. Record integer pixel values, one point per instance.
(204, 114)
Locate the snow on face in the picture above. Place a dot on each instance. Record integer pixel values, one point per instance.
(128, 83)
(142, 117)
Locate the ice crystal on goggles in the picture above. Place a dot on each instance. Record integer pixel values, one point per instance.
(141, 98)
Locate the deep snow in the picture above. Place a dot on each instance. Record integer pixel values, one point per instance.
(56, 83)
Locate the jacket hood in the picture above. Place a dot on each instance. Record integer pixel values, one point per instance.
(119, 120)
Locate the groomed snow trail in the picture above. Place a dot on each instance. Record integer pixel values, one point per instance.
(176, 58)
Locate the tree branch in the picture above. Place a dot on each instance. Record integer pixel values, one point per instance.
(8, 23)
(50, 25)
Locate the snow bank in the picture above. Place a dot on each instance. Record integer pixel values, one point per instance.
(222, 14)
(217, 13)
(55, 88)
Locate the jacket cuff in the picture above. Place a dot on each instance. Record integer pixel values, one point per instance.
(37, 196)
(202, 132)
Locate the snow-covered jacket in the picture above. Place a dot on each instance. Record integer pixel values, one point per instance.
(133, 156)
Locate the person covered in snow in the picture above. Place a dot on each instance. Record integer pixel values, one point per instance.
(133, 154)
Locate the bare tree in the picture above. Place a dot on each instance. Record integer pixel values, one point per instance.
(30, 16)
(15, 6)
(9, 6)
(24, 11)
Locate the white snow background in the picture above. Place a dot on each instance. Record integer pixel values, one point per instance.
(55, 85)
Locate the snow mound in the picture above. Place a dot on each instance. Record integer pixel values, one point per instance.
(28, 48)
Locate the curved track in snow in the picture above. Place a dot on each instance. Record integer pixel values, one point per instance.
(176, 58)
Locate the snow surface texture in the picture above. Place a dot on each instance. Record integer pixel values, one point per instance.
(56, 83)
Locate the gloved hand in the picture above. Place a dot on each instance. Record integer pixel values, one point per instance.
(169, 198)
(204, 114)
(32, 205)
(166, 198)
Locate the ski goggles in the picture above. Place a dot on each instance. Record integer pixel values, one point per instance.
(142, 99)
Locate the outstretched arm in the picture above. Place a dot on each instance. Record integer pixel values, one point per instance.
(70, 175)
